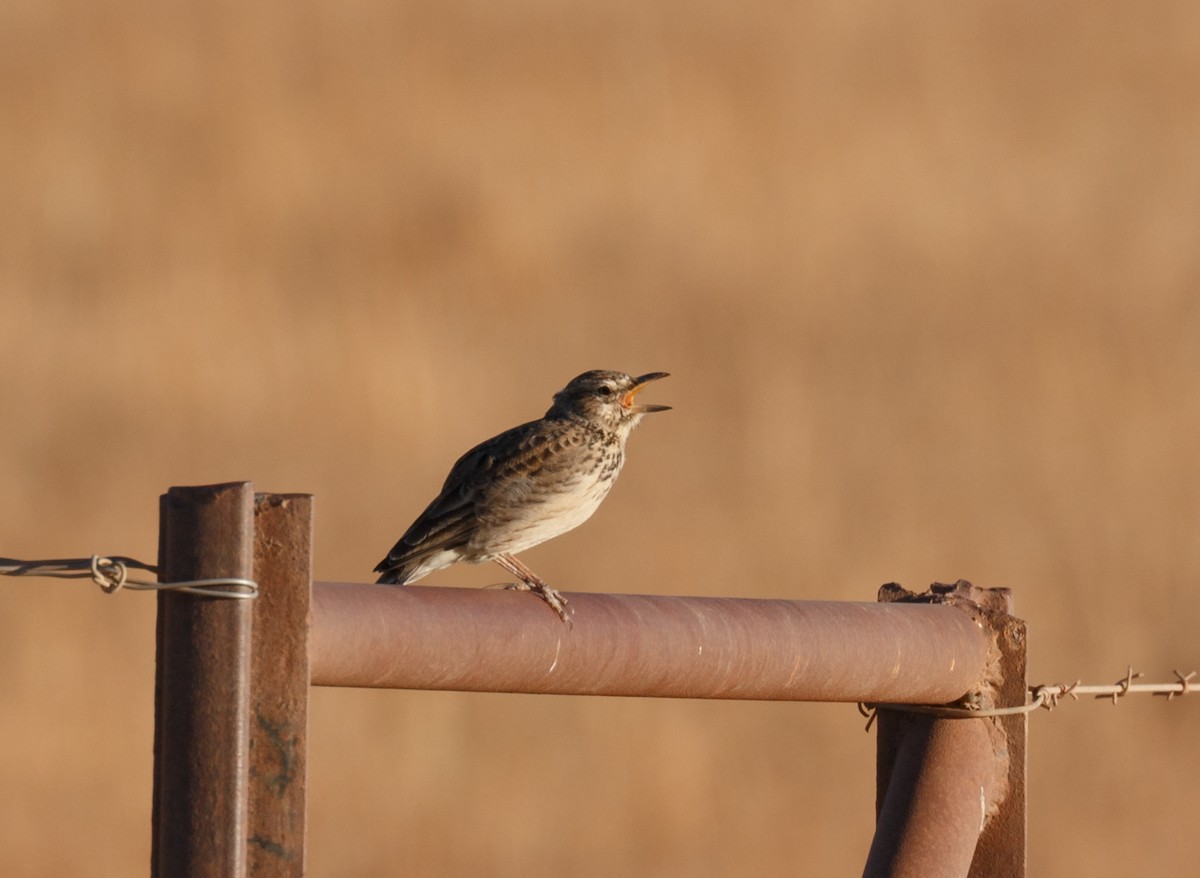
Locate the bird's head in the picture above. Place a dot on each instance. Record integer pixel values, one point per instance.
(605, 398)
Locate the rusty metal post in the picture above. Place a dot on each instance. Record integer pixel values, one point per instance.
(279, 685)
(943, 780)
(1002, 846)
(423, 637)
(950, 793)
(202, 685)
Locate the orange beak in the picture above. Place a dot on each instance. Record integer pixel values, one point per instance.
(638, 383)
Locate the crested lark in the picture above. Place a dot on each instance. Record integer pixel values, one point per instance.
(527, 485)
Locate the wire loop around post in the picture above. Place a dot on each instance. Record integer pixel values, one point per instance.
(112, 575)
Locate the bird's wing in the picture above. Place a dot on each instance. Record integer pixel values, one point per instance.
(448, 522)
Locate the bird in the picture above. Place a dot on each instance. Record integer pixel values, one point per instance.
(527, 485)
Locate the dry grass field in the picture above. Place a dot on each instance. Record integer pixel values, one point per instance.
(927, 279)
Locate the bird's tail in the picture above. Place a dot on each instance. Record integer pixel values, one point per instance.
(394, 574)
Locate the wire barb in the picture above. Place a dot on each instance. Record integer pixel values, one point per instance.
(1184, 681)
(112, 575)
(1123, 684)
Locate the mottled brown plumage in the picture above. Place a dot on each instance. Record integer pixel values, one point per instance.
(527, 485)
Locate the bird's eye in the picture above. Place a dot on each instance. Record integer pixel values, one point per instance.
(604, 390)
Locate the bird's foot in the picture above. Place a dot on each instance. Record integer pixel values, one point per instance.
(551, 596)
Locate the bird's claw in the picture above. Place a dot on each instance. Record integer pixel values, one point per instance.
(551, 596)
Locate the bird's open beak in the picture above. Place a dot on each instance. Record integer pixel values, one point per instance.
(638, 383)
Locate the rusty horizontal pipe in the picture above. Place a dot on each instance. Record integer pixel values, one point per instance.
(482, 640)
(943, 788)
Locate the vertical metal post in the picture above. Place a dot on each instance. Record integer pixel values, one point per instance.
(279, 684)
(202, 685)
(1001, 848)
(941, 785)
(950, 793)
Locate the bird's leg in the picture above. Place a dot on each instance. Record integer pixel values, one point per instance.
(530, 581)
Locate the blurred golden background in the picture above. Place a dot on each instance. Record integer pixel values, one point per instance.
(927, 279)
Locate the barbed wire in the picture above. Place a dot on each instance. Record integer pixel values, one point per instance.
(1051, 694)
(1047, 696)
(112, 574)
